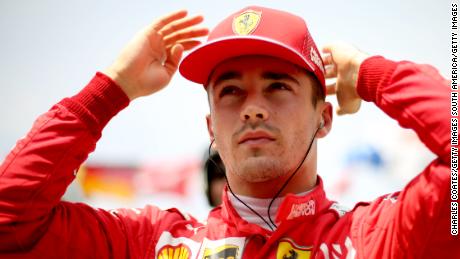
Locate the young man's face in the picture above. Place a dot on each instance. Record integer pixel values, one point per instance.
(262, 116)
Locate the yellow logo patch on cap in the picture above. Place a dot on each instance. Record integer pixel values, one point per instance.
(246, 22)
(287, 249)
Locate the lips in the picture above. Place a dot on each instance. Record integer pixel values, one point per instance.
(255, 137)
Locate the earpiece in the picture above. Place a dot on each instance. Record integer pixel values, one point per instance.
(321, 124)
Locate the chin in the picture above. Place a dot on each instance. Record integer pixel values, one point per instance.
(260, 169)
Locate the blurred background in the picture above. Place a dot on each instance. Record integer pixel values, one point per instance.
(153, 151)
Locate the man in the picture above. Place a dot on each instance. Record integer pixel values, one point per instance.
(266, 84)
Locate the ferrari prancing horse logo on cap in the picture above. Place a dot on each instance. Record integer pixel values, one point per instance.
(246, 22)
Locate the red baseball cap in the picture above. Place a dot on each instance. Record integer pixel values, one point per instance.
(255, 30)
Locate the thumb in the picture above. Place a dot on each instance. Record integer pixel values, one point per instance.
(340, 111)
(174, 58)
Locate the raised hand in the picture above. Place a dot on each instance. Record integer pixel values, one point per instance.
(148, 62)
(342, 62)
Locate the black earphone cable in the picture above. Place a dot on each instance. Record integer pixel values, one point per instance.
(231, 191)
(290, 177)
(279, 191)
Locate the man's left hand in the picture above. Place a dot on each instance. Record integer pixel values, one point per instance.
(342, 62)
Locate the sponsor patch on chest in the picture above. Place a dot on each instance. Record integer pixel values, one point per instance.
(226, 248)
(169, 247)
(302, 209)
(181, 251)
(287, 249)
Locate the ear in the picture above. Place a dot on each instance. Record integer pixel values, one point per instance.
(326, 118)
(210, 130)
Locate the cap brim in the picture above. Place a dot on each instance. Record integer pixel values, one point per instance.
(198, 64)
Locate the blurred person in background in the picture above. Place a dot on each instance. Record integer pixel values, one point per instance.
(214, 174)
(266, 88)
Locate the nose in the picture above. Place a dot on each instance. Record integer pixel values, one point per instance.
(254, 113)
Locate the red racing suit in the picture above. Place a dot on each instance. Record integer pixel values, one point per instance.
(413, 223)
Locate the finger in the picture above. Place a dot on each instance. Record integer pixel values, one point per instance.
(163, 21)
(327, 59)
(331, 88)
(332, 47)
(175, 54)
(342, 111)
(330, 71)
(327, 48)
(187, 44)
(185, 34)
(180, 24)
(349, 108)
(339, 111)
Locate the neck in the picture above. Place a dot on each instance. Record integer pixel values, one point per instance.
(304, 180)
(259, 205)
(268, 189)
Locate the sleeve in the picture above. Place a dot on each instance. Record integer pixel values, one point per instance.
(34, 222)
(413, 223)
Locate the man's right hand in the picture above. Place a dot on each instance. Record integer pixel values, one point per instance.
(148, 62)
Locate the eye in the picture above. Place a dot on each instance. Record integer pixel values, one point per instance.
(279, 86)
(229, 90)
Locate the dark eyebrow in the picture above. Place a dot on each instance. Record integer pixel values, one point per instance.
(227, 76)
(279, 76)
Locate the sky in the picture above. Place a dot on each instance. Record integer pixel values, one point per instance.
(50, 49)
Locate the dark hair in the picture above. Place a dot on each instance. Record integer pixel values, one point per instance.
(317, 93)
